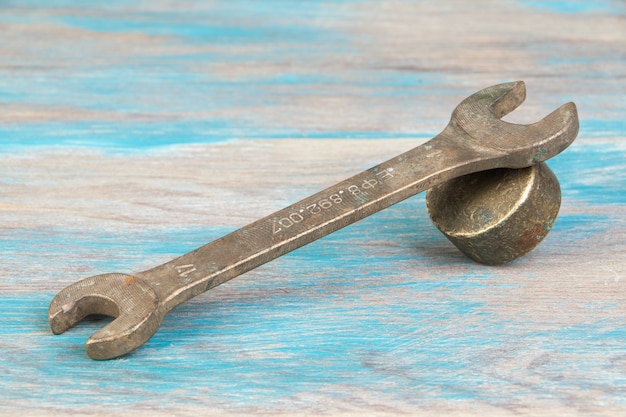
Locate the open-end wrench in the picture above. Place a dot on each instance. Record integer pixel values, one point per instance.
(474, 140)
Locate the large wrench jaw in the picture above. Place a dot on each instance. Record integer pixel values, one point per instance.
(478, 119)
(132, 302)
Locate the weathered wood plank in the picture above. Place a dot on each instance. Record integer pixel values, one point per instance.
(131, 134)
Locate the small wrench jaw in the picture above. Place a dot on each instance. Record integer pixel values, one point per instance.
(132, 302)
(515, 145)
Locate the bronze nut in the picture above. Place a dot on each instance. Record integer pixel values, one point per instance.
(497, 216)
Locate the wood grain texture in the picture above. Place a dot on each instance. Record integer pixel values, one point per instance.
(130, 134)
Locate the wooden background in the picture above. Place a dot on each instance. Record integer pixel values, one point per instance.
(132, 133)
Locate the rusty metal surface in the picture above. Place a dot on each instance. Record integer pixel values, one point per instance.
(474, 140)
(497, 216)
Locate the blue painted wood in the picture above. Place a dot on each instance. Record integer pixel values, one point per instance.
(130, 134)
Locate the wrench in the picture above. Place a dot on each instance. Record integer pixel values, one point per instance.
(474, 140)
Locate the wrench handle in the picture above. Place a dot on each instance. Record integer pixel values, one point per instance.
(316, 216)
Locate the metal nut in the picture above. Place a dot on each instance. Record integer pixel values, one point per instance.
(496, 216)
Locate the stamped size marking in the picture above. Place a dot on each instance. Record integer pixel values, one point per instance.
(185, 270)
(357, 191)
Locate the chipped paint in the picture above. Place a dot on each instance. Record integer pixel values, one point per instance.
(105, 107)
